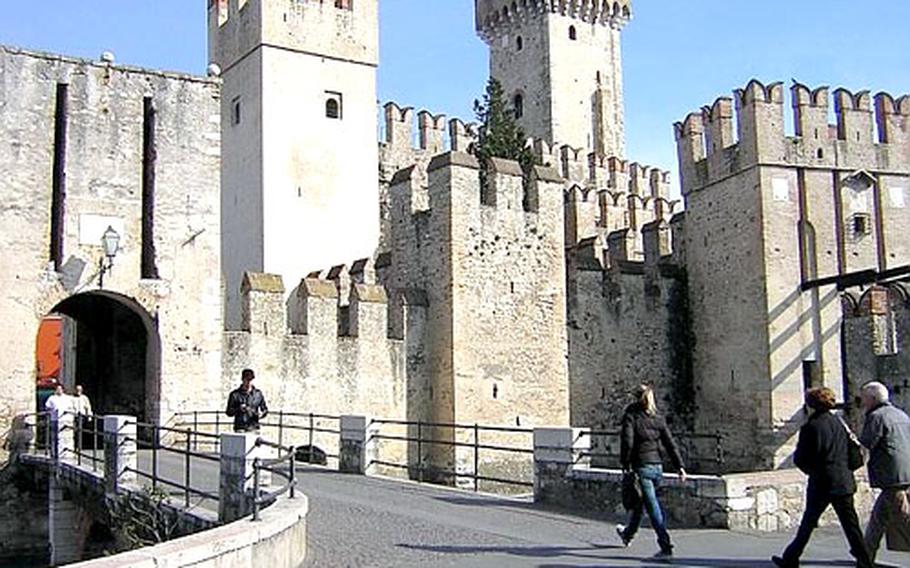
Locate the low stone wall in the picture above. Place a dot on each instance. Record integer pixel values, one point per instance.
(277, 540)
(765, 501)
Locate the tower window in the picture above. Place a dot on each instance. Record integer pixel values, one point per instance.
(573, 35)
(519, 43)
(235, 111)
(518, 105)
(344, 4)
(333, 105)
(861, 224)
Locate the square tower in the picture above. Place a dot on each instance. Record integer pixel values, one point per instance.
(560, 63)
(299, 156)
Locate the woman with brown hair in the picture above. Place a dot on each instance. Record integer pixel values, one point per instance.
(644, 431)
(823, 453)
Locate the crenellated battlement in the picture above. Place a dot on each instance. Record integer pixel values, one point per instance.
(342, 302)
(734, 134)
(434, 135)
(494, 17)
(338, 28)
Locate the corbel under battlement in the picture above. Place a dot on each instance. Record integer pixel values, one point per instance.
(496, 17)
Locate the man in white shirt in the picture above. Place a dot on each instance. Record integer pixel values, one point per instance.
(59, 404)
(82, 406)
(60, 410)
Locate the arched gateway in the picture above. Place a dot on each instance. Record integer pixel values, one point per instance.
(110, 345)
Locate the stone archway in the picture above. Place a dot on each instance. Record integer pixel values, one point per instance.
(112, 348)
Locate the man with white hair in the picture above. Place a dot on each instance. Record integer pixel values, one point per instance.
(886, 434)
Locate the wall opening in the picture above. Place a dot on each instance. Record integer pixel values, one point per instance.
(519, 43)
(108, 344)
(518, 105)
(333, 105)
(149, 157)
(573, 34)
(236, 111)
(58, 178)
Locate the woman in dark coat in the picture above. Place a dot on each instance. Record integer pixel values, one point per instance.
(643, 433)
(822, 454)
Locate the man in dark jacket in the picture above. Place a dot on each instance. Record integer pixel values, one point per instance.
(886, 433)
(246, 404)
(822, 454)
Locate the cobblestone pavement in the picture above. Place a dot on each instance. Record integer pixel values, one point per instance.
(374, 522)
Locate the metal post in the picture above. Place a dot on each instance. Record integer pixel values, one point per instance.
(280, 427)
(195, 429)
(256, 489)
(476, 458)
(217, 425)
(156, 434)
(310, 453)
(292, 474)
(79, 439)
(419, 451)
(186, 469)
(95, 444)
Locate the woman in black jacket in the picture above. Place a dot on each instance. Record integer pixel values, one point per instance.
(822, 453)
(643, 433)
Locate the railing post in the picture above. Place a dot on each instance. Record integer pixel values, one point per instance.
(119, 452)
(238, 450)
(476, 458)
(310, 454)
(354, 450)
(420, 451)
(78, 439)
(554, 458)
(195, 429)
(186, 468)
(156, 438)
(255, 489)
(95, 442)
(292, 474)
(217, 424)
(281, 427)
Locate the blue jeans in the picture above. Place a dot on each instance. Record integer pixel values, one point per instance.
(649, 477)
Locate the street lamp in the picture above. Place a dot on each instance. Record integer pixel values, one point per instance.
(110, 242)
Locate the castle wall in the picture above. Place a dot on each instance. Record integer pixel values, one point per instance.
(306, 360)
(767, 213)
(103, 187)
(623, 332)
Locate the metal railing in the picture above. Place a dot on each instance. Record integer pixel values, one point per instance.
(702, 453)
(426, 437)
(290, 487)
(309, 427)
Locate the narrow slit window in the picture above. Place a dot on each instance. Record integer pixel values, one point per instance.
(58, 177)
(149, 158)
(573, 35)
(236, 111)
(519, 43)
(518, 105)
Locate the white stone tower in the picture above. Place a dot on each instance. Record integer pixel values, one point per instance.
(299, 130)
(560, 63)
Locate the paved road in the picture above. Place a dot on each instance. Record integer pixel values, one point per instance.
(373, 522)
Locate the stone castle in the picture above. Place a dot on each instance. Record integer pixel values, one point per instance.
(263, 226)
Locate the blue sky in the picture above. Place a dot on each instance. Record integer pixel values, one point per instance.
(679, 54)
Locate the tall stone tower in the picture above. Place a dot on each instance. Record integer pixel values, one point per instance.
(560, 63)
(299, 156)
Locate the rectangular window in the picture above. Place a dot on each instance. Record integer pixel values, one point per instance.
(333, 105)
(58, 177)
(235, 111)
(861, 224)
(149, 159)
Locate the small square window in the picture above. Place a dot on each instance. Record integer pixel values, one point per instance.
(861, 224)
(333, 105)
(235, 111)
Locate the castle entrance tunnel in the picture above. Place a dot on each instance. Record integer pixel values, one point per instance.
(106, 343)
